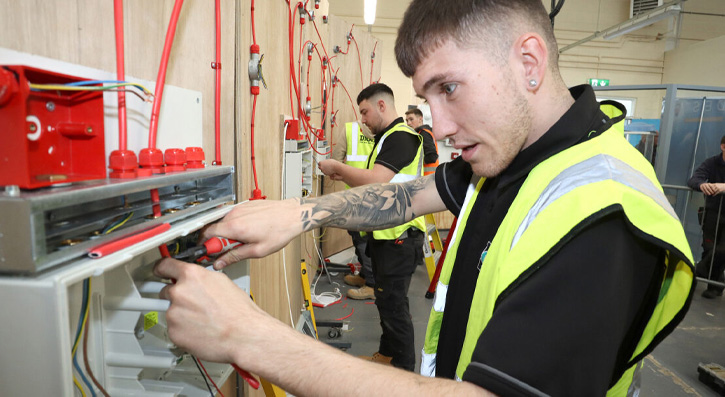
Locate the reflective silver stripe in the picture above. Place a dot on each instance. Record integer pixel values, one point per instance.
(427, 364)
(400, 178)
(354, 136)
(439, 303)
(595, 169)
(358, 157)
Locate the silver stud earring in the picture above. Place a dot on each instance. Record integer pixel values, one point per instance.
(532, 83)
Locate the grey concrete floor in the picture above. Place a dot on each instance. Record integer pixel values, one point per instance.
(671, 369)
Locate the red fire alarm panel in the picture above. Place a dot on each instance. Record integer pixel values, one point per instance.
(49, 136)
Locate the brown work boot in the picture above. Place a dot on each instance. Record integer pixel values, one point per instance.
(363, 292)
(378, 358)
(354, 280)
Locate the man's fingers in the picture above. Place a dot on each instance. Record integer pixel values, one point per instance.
(164, 293)
(169, 268)
(239, 253)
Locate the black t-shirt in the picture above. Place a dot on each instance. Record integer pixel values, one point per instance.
(430, 151)
(711, 170)
(570, 326)
(399, 148)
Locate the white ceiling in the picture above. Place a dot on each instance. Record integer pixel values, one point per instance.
(698, 13)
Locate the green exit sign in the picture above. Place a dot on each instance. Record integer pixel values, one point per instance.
(598, 82)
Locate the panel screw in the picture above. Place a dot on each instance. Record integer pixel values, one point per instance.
(50, 106)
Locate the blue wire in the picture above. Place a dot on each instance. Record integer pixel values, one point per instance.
(91, 82)
(84, 304)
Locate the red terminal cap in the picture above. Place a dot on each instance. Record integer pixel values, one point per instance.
(254, 89)
(8, 86)
(257, 195)
(254, 48)
(194, 157)
(175, 160)
(123, 164)
(150, 159)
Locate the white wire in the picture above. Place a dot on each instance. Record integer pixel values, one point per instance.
(337, 294)
(284, 257)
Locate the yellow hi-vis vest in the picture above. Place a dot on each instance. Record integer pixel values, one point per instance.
(359, 147)
(408, 173)
(570, 189)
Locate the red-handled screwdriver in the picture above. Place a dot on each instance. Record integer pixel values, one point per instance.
(213, 246)
(254, 383)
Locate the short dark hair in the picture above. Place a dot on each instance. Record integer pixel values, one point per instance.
(427, 24)
(722, 140)
(374, 90)
(414, 111)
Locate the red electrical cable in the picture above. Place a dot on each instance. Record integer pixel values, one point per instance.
(352, 104)
(120, 73)
(254, 161)
(342, 318)
(209, 377)
(254, 31)
(161, 78)
(359, 60)
(321, 41)
(218, 88)
(372, 62)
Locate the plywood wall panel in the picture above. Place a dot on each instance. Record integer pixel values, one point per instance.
(82, 32)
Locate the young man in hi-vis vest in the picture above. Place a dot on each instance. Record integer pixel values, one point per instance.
(568, 265)
(353, 148)
(395, 253)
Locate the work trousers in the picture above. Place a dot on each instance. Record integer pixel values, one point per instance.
(366, 267)
(394, 262)
(713, 246)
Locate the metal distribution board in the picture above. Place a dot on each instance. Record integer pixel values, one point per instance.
(49, 227)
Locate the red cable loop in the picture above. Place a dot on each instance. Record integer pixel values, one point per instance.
(120, 73)
(160, 80)
(359, 60)
(218, 87)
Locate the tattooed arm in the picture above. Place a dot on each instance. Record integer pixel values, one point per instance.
(265, 226)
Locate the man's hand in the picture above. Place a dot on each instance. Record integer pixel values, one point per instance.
(263, 226)
(207, 312)
(329, 168)
(712, 189)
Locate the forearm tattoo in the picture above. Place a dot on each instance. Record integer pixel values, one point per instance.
(365, 208)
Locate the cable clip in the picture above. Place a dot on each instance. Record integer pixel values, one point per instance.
(216, 65)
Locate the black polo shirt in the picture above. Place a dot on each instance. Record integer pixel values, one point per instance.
(570, 328)
(399, 148)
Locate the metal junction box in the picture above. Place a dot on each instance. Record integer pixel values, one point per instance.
(45, 228)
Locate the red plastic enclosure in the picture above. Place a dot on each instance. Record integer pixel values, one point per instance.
(293, 130)
(49, 137)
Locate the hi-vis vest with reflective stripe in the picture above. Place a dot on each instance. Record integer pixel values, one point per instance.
(408, 173)
(359, 147)
(430, 168)
(575, 187)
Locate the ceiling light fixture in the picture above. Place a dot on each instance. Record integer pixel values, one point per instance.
(370, 6)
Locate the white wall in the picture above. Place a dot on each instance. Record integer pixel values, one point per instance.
(699, 64)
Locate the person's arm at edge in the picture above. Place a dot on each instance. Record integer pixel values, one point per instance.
(356, 176)
(365, 208)
(212, 318)
(700, 176)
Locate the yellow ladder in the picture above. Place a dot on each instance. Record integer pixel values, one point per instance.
(429, 254)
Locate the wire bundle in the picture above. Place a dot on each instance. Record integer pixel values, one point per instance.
(97, 85)
(82, 331)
